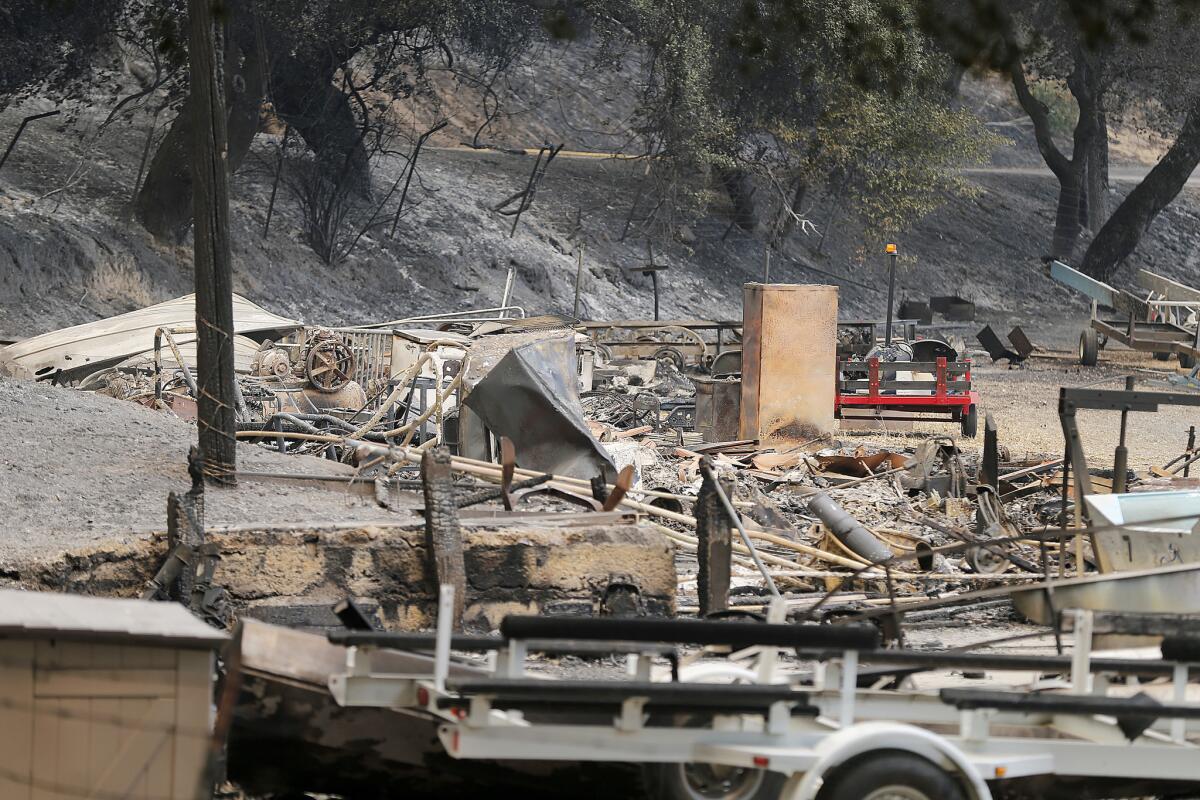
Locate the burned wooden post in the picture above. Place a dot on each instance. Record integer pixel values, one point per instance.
(443, 535)
(185, 526)
(989, 467)
(214, 274)
(715, 552)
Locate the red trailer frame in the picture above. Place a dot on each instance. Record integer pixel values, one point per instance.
(947, 398)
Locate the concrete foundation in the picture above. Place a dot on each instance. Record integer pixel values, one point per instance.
(291, 576)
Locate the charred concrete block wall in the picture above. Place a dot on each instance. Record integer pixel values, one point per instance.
(292, 577)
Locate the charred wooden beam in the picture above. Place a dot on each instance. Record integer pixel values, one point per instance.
(443, 534)
(714, 531)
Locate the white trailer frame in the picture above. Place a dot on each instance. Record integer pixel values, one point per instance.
(850, 722)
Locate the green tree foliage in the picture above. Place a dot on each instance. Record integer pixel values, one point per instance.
(899, 154)
(795, 94)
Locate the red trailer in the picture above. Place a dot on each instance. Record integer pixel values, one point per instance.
(903, 389)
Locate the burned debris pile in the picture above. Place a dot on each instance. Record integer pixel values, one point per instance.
(558, 494)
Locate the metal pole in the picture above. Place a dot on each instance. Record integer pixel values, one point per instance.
(733, 515)
(887, 331)
(578, 281)
(654, 281)
(445, 627)
(1121, 457)
(767, 269)
(508, 287)
(1191, 444)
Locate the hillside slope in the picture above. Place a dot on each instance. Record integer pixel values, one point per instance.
(73, 254)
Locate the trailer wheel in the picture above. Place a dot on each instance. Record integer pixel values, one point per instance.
(891, 776)
(1089, 348)
(970, 422)
(710, 782)
(1186, 361)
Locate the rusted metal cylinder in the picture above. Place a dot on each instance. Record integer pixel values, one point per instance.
(847, 529)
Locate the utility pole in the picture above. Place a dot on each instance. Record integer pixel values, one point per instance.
(214, 278)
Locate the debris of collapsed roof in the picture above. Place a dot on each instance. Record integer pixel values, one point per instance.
(608, 422)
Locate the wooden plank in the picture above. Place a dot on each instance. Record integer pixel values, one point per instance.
(148, 657)
(159, 769)
(74, 726)
(74, 742)
(130, 771)
(951, 386)
(193, 699)
(1171, 290)
(44, 774)
(47, 727)
(104, 683)
(108, 733)
(952, 367)
(16, 719)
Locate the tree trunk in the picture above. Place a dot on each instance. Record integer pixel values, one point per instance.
(214, 273)
(164, 204)
(1124, 229)
(740, 189)
(1067, 217)
(1096, 179)
(307, 99)
(1084, 88)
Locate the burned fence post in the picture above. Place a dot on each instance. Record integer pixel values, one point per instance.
(715, 532)
(443, 535)
(185, 526)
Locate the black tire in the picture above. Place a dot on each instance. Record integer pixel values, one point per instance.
(1089, 348)
(1186, 361)
(891, 774)
(970, 422)
(1162, 356)
(705, 782)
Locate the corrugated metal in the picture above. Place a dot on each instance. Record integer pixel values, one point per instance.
(107, 340)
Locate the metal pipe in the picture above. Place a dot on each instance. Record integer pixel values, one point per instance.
(847, 530)
(1121, 456)
(449, 316)
(578, 280)
(733, 516)
(887, 331)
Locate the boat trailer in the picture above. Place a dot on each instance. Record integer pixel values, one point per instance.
(1163, 323)
(741, 726)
